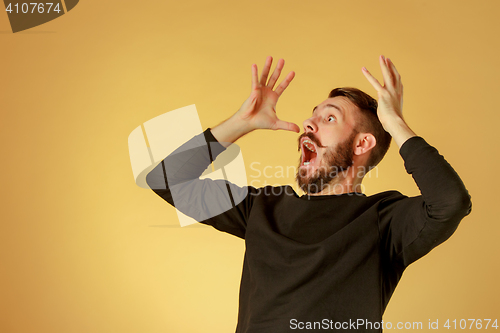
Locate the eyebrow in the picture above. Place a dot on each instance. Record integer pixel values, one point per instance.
(333, 106)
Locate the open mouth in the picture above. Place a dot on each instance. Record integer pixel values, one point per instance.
(309, 152)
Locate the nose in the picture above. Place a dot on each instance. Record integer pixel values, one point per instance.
(310, 125)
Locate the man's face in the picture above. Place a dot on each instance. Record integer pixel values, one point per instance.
(327, 143)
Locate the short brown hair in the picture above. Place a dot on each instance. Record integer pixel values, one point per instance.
(367, 121)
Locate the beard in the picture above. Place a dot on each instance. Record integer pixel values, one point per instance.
(334, 161)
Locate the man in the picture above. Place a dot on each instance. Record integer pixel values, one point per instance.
(329, 259)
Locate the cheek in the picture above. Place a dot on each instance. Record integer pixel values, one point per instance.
(331, 138)
(336, 135)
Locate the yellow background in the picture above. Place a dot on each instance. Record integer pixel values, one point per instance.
(83, 249)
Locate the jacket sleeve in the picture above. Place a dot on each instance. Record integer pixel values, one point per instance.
(413, 226)
(218, 203)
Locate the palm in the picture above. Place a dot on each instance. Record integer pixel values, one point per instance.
(263, 112)
(260, 107)
(390, 96)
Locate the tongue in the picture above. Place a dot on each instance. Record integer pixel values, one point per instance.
(310, 157)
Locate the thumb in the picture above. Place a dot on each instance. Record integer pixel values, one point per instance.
(285, 125)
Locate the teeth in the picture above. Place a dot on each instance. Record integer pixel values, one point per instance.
(309, 145)
(306, 163)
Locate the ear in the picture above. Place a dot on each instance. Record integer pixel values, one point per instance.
(364, 143)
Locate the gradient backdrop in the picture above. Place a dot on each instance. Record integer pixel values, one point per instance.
(83, 249)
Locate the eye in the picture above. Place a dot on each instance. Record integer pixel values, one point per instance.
(330, 118)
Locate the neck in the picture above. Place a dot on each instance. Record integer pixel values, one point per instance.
(341, 185)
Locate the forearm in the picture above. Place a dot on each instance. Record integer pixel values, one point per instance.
(417, 224)
(176, 179)
(185, 163)
(437, 180)
(444, 193)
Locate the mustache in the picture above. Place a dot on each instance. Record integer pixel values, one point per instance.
(311, 137)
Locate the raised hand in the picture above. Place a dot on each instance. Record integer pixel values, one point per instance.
(390, 101)
(390, 96)
(259, 110)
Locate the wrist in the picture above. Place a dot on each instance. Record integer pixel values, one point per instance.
(399, 130)
(231, 130)
(393, 124)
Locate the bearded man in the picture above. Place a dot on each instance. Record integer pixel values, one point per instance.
(331, 258)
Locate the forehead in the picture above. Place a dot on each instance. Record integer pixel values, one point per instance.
(341, 101)
(340, 104)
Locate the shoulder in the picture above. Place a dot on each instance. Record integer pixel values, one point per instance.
(389, 200)
(391, 195)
